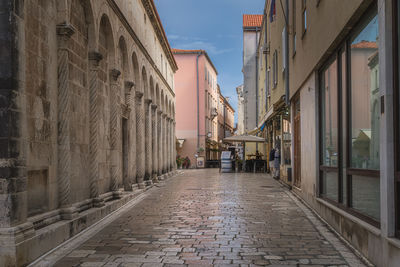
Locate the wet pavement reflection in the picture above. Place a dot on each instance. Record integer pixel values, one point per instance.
(202, 217)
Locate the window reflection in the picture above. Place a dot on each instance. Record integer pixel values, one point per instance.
(330, 122)
(365, 105)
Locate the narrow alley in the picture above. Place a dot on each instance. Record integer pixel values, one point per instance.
(202, 217)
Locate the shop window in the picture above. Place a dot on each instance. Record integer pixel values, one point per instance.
(350, 119)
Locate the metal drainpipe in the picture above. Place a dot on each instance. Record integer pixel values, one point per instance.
(287, 55)
(198, 103)
(257, 56)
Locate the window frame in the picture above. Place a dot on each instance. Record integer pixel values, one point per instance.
(304, 17)
(275, 69)
(343, 89)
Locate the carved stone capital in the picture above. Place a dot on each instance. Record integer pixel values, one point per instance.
(129, 84)
(164, 115)
(159, 112)
(154, 106)
(65, 30)
(95, 57)
(138, 95)
(115, 74)
(148, 101)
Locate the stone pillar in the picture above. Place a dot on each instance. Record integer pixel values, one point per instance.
(140, 147)
(94, 60)
(115, 132)
(147, 108)
(154, 141)
(164, 143)
(64, 33)
(174, 144)
(168, 144)
(159, 143)
(129, 99)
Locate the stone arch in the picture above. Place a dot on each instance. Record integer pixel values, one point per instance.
(123, 65)
(107, 50)
(157, 96)
(144, 87)
(106, 40)
(81, 44)
(135, 71)
(151, 88)
(86, 25)
(162, 100)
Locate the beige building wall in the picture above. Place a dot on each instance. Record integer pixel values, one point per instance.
(326, 22)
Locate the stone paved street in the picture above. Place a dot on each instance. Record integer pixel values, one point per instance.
(202, 217)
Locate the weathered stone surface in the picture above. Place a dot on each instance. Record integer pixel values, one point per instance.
(69, 75)
(206, 218)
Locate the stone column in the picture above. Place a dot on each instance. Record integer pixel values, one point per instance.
(168, 144)
(140, 147)
(94, 58)
(129, 99)
(64, 33)
(164, 144)
(159, 143)
(147, 108)
(115, 132)
(154, 141)
(174, 144)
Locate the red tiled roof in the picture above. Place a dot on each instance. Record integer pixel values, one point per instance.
(252, 20)
(365, 44)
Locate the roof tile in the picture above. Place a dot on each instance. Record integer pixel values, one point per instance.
(252, 20)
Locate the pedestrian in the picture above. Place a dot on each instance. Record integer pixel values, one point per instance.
(277, 164)
(271, 161)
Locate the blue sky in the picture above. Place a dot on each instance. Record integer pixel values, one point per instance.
(212, 25)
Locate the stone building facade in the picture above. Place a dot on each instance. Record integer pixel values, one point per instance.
(87, 116)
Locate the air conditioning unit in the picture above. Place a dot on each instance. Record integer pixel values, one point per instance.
(266, 48)
(214, 113)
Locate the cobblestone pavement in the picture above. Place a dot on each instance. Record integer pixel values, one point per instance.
(205, 218)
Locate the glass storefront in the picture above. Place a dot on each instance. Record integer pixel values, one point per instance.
(350, 123)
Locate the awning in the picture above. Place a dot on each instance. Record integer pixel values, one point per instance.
(245, 138)
(266, 117)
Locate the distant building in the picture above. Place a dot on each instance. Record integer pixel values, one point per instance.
(226, 118)
(251, 34)
(197, 100)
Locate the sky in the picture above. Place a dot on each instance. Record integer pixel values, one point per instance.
(214, 26)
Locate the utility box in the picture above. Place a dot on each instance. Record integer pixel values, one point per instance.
(226, 162)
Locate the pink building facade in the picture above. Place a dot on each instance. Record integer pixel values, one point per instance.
(197, 98)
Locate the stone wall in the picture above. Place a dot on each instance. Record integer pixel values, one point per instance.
(84, 80)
